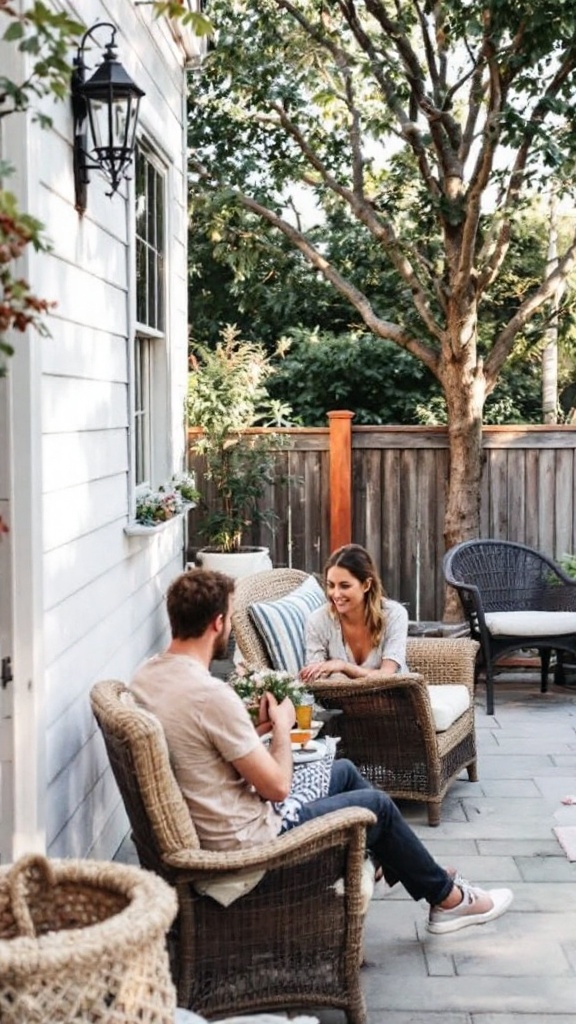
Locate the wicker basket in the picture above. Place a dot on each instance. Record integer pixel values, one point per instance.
(84, 941)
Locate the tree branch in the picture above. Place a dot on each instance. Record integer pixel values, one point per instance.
(364, 211)
(382, 328)
(508, 201)
(548, 289)
(408, 128)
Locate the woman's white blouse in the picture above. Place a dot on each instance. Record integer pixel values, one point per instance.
(324, 638)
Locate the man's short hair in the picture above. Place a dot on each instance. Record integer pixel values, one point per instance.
(194, 599)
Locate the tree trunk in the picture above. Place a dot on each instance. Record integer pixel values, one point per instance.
(465, 391)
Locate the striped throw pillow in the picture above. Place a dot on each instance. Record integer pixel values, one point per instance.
(281, 624)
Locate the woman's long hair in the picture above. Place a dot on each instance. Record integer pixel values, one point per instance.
(359, 563)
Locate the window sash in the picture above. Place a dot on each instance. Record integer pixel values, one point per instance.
(150, 242)
(142, 409)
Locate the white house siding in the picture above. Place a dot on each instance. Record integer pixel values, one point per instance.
(100, 607)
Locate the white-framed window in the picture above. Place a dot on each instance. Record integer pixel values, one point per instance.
(150, 355)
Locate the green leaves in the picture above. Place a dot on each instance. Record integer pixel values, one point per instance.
(227, 395)
(372, 378)
(199, 23)
(46, 36)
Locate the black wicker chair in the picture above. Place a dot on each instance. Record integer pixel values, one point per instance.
(495, 576)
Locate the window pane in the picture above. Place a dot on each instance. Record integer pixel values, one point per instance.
(141, 286)
(152, 288)
(140, 194)
(150, 227)
(142, 411)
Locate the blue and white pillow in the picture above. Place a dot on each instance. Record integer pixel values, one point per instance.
(281, 624)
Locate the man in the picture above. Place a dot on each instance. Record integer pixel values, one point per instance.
(231, 780)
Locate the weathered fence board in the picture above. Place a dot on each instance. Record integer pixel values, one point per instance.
(398, 499)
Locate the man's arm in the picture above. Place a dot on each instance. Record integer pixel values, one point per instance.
(270, 771)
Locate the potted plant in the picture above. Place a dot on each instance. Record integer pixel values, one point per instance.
(226, 397)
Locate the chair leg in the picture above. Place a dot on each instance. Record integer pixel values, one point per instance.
(472, 770)
(544, 668)
(489, 689)
(434, 812)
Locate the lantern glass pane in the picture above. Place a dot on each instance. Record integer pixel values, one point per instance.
(98, 113)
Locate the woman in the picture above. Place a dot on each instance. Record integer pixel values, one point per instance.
(359, 630)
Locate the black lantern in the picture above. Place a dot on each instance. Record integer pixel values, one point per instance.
(105, 109)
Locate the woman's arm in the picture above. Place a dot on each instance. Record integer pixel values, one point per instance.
(394, 640)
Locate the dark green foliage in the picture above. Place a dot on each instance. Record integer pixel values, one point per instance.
(372, 378)
(381, 384)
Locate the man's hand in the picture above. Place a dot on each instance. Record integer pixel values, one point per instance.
(282, 716)
(270, 771)
(264, 724)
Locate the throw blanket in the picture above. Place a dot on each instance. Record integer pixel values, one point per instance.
(310, 781)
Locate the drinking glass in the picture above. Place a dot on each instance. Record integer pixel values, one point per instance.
(304, 711)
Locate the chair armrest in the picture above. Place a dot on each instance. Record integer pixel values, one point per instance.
(341, 688)
(471, 601)
(442, 660)
(338, 683)
(321, 833)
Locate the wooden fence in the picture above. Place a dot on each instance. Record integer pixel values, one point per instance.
(397, 494)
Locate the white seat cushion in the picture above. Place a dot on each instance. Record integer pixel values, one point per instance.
(531, 623)
(448, 703)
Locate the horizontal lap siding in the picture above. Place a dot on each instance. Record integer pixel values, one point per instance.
(103, 591)
(399, 477)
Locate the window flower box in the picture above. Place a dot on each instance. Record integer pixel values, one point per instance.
(155, 510)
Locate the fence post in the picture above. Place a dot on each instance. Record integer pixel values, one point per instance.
(340, 423)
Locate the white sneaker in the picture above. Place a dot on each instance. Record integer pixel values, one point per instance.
(477, 907)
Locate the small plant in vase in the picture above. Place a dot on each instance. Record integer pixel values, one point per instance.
(253, 684)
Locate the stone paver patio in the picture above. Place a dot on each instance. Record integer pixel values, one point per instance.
(520, 969)
(498, 831)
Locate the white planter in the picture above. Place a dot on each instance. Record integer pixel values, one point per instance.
(237, 563)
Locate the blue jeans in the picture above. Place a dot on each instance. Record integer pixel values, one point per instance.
(392, 842)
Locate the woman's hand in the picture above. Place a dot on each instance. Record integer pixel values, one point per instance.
(324, 668)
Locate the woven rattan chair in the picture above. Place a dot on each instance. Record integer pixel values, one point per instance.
(387, 728)
(494, 578)
(295, 939)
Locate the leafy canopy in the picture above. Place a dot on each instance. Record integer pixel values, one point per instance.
(430, 125)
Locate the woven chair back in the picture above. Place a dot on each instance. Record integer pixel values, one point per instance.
(509, 576)
(262, 586)
(136, 744)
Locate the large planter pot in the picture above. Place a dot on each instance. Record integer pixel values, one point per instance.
(237, 563)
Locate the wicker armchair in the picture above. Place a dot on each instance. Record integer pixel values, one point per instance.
(387, 728)
(293, 940)
(494, 578)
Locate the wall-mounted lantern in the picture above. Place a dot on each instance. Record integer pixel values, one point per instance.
(105, 109)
